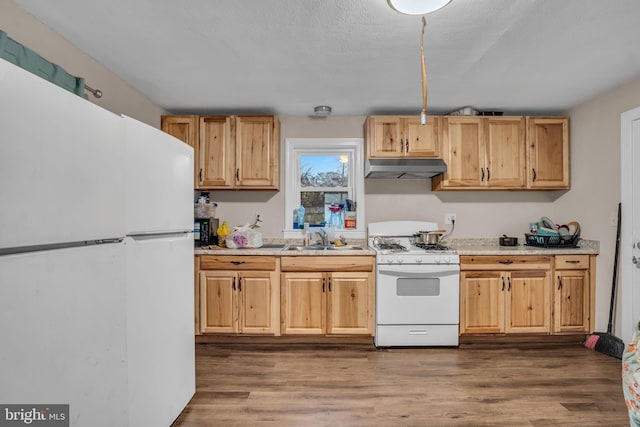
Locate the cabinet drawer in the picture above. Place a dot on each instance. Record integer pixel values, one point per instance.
(327, 263)
(572, 262)
(495, 262)
(242, 262)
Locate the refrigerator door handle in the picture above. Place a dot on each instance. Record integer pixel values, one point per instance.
(159, 233)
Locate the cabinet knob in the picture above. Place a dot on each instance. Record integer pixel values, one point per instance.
(488, 174)
(502, 283)
(482, 177)
(535, 176)
(559, 282)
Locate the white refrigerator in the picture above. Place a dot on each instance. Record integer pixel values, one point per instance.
(96, 259)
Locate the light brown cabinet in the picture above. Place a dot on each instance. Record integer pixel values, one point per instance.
(233, 152)
(505, 295)
(572, 293)
(185, 128)
(239, 294)
(402, 136)
(327, 295)
(482, 153)
(547, 153)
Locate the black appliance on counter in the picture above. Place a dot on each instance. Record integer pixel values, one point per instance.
(205, 231)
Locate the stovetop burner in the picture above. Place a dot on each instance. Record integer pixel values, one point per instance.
(394, 247)
(388, 244)
(432, 246)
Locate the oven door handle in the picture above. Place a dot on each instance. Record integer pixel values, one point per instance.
(410, 272)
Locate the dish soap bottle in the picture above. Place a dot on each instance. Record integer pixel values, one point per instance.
(301, 216)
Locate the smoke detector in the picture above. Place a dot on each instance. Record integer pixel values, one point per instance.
(322, 110)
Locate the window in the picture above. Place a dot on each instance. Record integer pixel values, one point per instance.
(324, 176)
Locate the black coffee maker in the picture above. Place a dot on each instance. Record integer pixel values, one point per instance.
(205, 226)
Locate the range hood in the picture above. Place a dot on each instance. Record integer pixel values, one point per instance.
(404, 168)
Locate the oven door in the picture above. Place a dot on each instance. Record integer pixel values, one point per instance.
(418, 294)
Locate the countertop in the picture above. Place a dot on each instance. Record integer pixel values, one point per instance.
(349, 250)
(491, 247)
(461, 246)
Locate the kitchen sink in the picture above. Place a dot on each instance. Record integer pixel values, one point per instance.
(322, 248)
(274, 246)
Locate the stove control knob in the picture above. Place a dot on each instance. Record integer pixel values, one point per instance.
(445, 260)
(399, 259)
(419, 259)
(387, 260)
(437, 259)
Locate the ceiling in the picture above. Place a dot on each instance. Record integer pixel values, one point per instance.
(357, 56)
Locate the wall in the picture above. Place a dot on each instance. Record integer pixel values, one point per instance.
(596, 189)
(118, 96)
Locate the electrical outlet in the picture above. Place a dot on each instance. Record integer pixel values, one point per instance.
(449, 218)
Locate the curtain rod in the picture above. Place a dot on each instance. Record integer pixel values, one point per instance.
(96, 92)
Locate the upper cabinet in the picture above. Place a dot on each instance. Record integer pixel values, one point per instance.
(547, 153)
(233, 152)
(402, 136)
(185, 128)
(504, 153)
(482, 153)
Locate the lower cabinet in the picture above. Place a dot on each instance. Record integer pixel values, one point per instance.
(572, 293)
(327, 295)
(505, 294)
(239, 294)
(526, 294)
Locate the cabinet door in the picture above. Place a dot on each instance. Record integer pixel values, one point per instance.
(482, 302)
(303, 303)
(256, 152)
(185, 128)
(421, 140)
(384, 137)
(528, 302)
(505, 152)
(215, 157)
(463, 150)
(218, 302)
(256, 302)
(548, 152)
(349, 311)
(571, 301)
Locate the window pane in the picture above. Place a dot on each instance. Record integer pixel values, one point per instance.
(324, 171)
(316, 205)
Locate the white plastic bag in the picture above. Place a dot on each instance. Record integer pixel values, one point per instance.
(244, 237)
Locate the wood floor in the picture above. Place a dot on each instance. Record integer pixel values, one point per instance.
(308, 385)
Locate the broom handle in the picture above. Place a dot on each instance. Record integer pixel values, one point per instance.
(615, 272)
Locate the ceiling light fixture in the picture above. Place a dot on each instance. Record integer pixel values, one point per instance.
(417, 7)
(322, 110)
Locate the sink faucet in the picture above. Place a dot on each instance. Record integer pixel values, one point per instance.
(323, 236)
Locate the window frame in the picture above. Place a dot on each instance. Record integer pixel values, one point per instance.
(294, 148)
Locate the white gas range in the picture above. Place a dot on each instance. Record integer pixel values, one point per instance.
(417, 287)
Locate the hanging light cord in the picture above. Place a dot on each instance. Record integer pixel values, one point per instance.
(423, 114)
